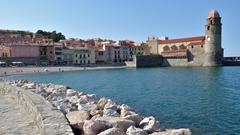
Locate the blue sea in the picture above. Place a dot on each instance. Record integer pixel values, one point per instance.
(206, 100)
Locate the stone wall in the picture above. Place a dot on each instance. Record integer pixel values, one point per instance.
(175, 62)
(195, 57)
(48, 119)
(148, 61)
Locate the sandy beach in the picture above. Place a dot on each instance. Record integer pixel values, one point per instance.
(6, 71)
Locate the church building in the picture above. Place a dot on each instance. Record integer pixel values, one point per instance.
(192, 51)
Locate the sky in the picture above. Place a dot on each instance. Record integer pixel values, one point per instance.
(123, 19)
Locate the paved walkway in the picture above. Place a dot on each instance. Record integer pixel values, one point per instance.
(30, 70)
(14, 120)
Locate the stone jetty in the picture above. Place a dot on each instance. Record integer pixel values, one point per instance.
(88, 114)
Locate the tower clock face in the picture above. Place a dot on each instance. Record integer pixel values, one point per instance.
(208, 38)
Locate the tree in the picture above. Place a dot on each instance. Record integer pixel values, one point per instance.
(52, 35)
(138, 53)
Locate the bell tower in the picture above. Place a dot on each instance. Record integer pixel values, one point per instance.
(213, 36)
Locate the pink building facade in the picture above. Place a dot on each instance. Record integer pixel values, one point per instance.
(24, 51)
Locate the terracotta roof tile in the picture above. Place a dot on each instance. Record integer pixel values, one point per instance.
(180, 40)
(196, 43)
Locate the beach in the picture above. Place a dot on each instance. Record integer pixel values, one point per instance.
(6, 71)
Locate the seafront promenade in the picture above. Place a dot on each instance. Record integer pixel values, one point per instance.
(24, 112)
(6, 71)
(14, 119)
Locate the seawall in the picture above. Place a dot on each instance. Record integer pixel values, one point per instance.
(47, 119)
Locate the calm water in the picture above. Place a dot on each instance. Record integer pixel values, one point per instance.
(207, 100)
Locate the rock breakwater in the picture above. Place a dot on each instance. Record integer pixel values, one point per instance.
(89, 115)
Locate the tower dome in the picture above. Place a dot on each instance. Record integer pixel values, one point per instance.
(213, 14)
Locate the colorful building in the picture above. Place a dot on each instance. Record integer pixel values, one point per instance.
(83, 56)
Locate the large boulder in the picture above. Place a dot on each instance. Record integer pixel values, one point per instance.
(78, 128)
(55, 97)
(70, 92)
(181, 131)
(20, 83)
(110, 112)
(96, 116)
(75, 117)
(84, 99)
(124, 113)
(125, 107)
(56, 89)
(93, 127)
(118, 122)
(41, 91)
(150, 124)
(96, 112)
(62, 106)
(73, 99)
(135, 131)
(102, 102)
(49, 89)
(111, 105)
(87, 107)
(125, 110)
(134, 117)
(113, 131)
(29, 86)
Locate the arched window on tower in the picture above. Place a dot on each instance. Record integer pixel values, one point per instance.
(211, 21)
(208, 27)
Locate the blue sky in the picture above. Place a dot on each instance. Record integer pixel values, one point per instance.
(123, 19)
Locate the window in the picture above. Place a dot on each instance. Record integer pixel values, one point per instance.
(100, 53)
(174, 48)
(208, 27)
(76, 61)
(76, 55)
(58, 53)
(166, 48)
(88, 61)
(182, 47)
(88, 55)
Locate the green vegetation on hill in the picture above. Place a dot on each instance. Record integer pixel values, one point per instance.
(52, 35)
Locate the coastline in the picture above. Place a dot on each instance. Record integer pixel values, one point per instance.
(37, 70)
(90, 115)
